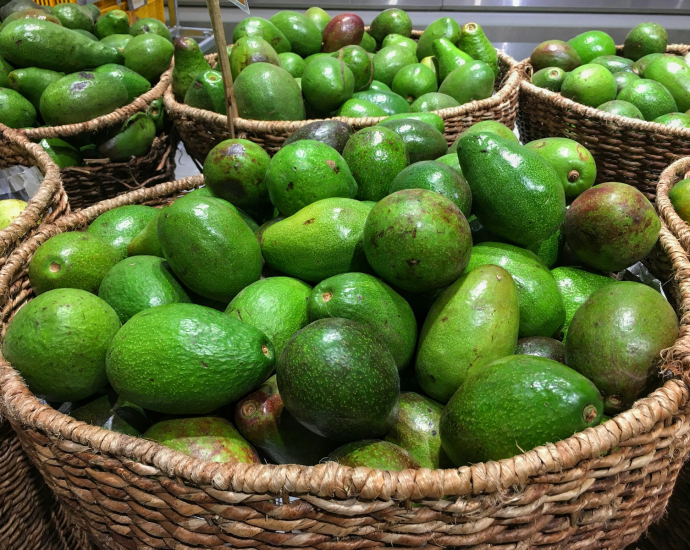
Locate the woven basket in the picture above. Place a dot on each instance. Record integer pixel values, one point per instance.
(598, 489)
(100, 179)
(30, 518)
(201, 130)
(626, 150)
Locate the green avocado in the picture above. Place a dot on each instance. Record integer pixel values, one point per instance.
(590, 85)
(117, 41)
(135, 83)
(473, 322)
(550, 78)
(640, 66)
(74, 16)
(614, 63)
(622, 79)
(676, 120)
(15, 110)
(359, 62)
(474, 42)
(207, 92)
(31, 13)
(327, 83)
(368, 43)
(149, 25)
(112, 22)
(358, 108)
(592, 44)
(378, 86)
(146, 243)
(621, 108)
(433, 102)
(199, 360)
(388, 61)
(12, 6)
(292, 63)
(251, 49)
(117, 227)
(87, 34)
(113, 414)
(413, 81)
(134, 139)
(149, 55)
(549, 250)
(61, 153)
(262, 28)
(680, 198)
(470, 82)
(5, 70)
(674, 74)
(318, 16)
(399, 40)
(390, 102)
(446, 27)
(373, 453)
(652, 98)
(279, 98)
(302, 34)
(555, 53)
(422, 140)
(333, 133)
(492, 126)
(430, 118)
(541, 402)
(349, 399)
(645, 39)
(541, 346)
(451, 160)
(189, 62)
(449, 57)
(390, 21)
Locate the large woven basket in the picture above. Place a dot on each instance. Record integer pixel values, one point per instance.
(30, 518)
(598, 489)
(202, 130)
(101, 179)
(626, 150)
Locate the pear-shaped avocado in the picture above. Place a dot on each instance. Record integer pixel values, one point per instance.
(470, 82)
(614, 63)
(449, 57)
(262, 28)
(207, 92)
(541, 346)
(622, 79)
(472, 323)
(375, 156)
(621, 108)
(373, 453)
(189, 62)
(390, 102)
(550, 78)
(262, 418)
(318, 16)
(422, 141)
(134, 139)
(344, 29)
(333, 133)
(266, 92)
(30, 13)
(114, 414)
(590, 85)
(413, 81)
(359, 62)
(645, 39)
(368, 43)
(62, 153)
(292, 63)
(555, 53)
(357, 108)
(611, 226)
(251, 49)
(515, 193)
(31, 82)
(398, 239)
(674, 74)
(629, 324)
(651, 98)
(390, 21)
(135, 83)
(304, 36)
(149, 55)
(592, 44)
(388, 61)
(327, 83)
(112, 22)
(433, 102)
(474, 42)
(321, 240)
(432, 63)
(149, 25)
(446, 27)
(541, 402)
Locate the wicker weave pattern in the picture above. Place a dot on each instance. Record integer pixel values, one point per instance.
(202, 130)
(626, 150)
(598, 489)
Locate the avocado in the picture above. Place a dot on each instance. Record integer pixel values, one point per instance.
(339, 380)
(135, 83)
(93, 10)
(318, 16)
(622, 79)
(327, 83)
(629, 324)
(359, 62)
(680, 198)
(71, 260)
(5, 70)
(345, 29)
(433, 102)
(42, 44)
(79, 97)
(652, 98)
(422, 141)
(31, 13)
(430, 118)
(449, 57)
(640, 66)
(61, 153)
(614, 63)
(146, 243)
(413, 81)
(592, 44)
(492, 126)
(388, 61)
(611, 226)
(676, 120)
(645, 39)
(333, 133)
(279, 98)
(15, 110)
(399, 40)
(473, 322)
(113, 414)
(375, 155)
(262, 28)
(555, 53)
(515, 193)
(438, 177)
(549, 251)
(277, 306)
(366, 299)
(206, 438)
(117, 227)
(390, 102)
(117, 41)
(390, 21)
(368, 43)
(139, 283)
(12, 6)
(321, 240)
(674, 74)
(542, 311)
(470, 82)
(134, 139)
(189, 62)
(73, 16)
(149, 55)
(446, 27)
(112, 22)
(58, 343)
(149, 25)
(315, 56)
(590, 85)
(378, 86)
(292, 63)
(621, 108)
(207, 92)
(550, 78)
(302, 34)
(262, 418)
(358, 108)
(373, 453)
(541, 402)
(541, 346)
(474, 42)
(251, 49)
(417, 240)
(575, 286)
(450, 160)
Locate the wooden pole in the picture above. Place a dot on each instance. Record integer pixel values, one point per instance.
(217, 24)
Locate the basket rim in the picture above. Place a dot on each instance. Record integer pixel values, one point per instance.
(37, 205)
(511, 83)
(610, 119)
(331, 479)
(104, 121)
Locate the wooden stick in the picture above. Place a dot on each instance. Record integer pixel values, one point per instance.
(217, 24)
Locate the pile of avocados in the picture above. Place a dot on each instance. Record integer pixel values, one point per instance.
(368, 298)
(645, 83)
(309, 66)
(70, 64)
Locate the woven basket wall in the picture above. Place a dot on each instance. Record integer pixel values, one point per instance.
(598, 489)
(30, 517)
(100, 179)
(626, 150)
(202, 130)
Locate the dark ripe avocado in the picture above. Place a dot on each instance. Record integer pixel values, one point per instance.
(645, 39)
(541, 402)
(616, 337)
(541, 346)
(611, 226)
(390, 21)
(345, 29)
(280, 97)
(372, 453)
(555, 53)
(262, 418)
(339, 380)
(417, 240)
(331, 132)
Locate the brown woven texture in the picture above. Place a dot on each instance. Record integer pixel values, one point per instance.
(626, 150)
(597, 489)
(202, 130)
(100, 179)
